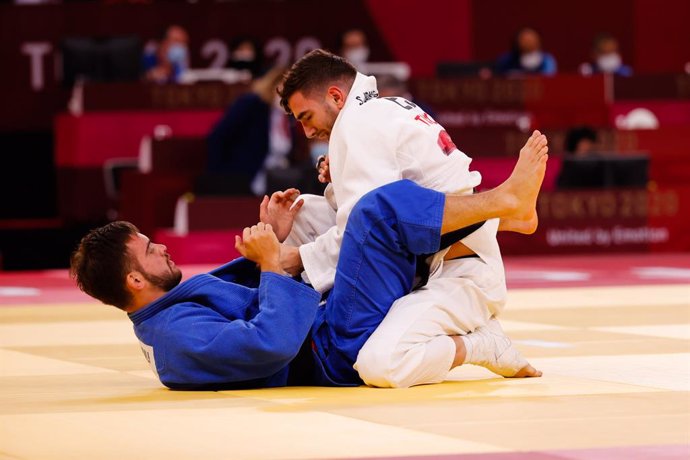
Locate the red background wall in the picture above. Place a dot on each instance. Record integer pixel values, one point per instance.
(653, 34)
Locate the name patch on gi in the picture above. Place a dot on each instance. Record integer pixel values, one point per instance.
(367, 96)
(148, 354)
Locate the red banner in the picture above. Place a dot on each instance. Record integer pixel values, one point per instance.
(607, 221)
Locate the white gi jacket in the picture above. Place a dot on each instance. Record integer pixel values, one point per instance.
(377, 141)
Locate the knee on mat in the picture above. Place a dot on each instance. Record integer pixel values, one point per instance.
(377, 368)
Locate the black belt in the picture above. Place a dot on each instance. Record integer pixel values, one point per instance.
(448, 239)
(468, 256)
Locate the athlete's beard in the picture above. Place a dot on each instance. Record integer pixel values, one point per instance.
(165, 282)
(331, 115)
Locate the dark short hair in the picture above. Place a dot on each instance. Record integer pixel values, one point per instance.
(315, 70)
(601, 38)
(577, 134)
(102, 261)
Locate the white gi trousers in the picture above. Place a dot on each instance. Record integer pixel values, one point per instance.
(412, 345)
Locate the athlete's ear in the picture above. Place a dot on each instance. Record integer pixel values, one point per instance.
(135, 282)
(338, 96)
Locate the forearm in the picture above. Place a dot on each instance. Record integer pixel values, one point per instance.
(273, 267)
(290, 260)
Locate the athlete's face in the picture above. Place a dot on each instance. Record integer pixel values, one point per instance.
(153, 262)
(317, 111)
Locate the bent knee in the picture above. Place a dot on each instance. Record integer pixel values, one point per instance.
(405, 364)
(386, 367)
(374, 366)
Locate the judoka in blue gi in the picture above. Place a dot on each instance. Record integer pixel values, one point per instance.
(246, 324)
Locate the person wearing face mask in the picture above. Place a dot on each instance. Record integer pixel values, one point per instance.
(354, 46)
(526, 57)
(165, 62)
(245, 55)
(606, 58)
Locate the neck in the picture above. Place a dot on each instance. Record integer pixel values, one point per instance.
(142, 299)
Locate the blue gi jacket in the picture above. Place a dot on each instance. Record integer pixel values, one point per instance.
(224, 329)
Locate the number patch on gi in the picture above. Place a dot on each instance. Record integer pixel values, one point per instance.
(445, 142)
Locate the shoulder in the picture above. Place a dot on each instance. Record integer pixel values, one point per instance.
(549, 64)
(625, 70)
(383, 108)
(377, 119)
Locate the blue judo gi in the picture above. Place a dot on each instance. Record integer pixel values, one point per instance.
(238, 328)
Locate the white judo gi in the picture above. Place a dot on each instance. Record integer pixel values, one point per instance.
(375, 141)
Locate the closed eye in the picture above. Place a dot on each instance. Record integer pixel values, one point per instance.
(303, 116)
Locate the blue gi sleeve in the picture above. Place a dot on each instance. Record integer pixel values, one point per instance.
(205, 348)
(241, 271)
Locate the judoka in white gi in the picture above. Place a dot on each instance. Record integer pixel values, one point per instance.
(374, 141)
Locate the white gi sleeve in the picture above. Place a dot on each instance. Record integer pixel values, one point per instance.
(362, 159)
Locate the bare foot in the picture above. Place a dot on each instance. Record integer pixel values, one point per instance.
(527, 371)
(491, 348)
(526, 226)
(518, 194)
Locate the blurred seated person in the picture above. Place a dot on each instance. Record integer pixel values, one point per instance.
(253, 135)
(354, 46)
(526, 56)
(586, 166)
(606, 58)
(578, 169)
(165, 61)
(580, 141)
(245, 54)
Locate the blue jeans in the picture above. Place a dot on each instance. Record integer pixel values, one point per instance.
(385, 232)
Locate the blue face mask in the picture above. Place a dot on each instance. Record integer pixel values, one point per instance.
(318, 148)
(177, 54)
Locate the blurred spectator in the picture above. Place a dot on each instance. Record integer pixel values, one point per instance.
(164, 62)
(245, 54)
(526, 56)
(253, 135)
(586, 166)
(605, 58)
(354, 46)
(580, 141)
(579, 146)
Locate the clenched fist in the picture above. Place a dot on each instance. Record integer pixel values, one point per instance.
(260, 244)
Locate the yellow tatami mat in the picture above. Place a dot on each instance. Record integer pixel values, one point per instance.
(616, 362)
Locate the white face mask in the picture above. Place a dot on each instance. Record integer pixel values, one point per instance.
(177, 54)
(357, 55)
(531, 60)
(609, 62)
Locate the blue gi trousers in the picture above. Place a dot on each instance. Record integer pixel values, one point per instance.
(385, 232)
